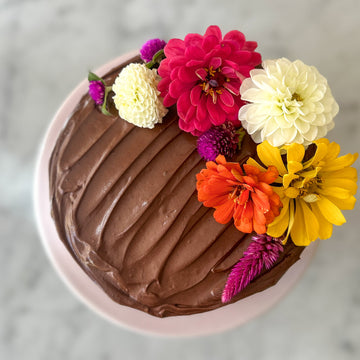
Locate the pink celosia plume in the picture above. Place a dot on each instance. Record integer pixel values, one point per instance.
(262, 252)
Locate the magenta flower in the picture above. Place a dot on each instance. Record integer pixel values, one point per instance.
(262, 252)
(203, 74)
(97, 91)
(218, 140)
(150, 48)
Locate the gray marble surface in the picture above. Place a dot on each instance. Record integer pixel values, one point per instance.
(46, 48)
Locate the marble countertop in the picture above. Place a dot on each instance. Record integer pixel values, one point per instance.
(47, 47)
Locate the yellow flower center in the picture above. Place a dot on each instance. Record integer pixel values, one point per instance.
(309, 192)
(237, 192)
(296, 97)
(290, 103)
(305, 188)
(213, 83)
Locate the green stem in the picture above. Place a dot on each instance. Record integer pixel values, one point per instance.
(241, 133)
(103, 107)
(160, 55)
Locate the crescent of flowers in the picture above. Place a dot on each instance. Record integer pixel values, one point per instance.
(297, 187)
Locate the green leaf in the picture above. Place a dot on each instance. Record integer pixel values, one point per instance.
(94, 77)
(241, 133)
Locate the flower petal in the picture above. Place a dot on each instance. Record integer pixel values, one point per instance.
(218, 117)
(278, 227)
(227, 99)
(295, 152)
(187, 75)
(201, 73)
(261, 201)
(174, 47)
(343, 204)
(183, 104)
(334, 191)
(341, 162)
(215, 31)
(215, 62)
(201, 113)
(209, 43)
(288, 178)
(250, 46)
(259, 221)
(195, 95)
(224, 213)
(270, 155)
(343, 183)
(320, 153)
(235, 36)
(294, 166)
(195, 52)
(177, 88)
(270, 175)
(186, 126)
(346, 173)
(325, 228)
(306, 226)
(244, 223)
(252, 162)
(232, 87)
(330, 211)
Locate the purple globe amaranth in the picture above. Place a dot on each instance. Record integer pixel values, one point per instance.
(150, 48)
(218, 140)
(97, 91)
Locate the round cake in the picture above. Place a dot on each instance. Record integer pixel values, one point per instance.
(125, 205)
(125, 201)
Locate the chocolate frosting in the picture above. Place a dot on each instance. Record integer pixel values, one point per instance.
(125, 206)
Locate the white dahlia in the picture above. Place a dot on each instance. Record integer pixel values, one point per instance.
(136, 96)
(289, 102)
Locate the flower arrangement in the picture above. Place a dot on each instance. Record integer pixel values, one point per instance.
(297, 187)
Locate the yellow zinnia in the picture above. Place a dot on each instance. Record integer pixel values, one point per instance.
(312, 191)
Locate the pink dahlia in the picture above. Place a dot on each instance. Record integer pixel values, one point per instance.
(203, 74)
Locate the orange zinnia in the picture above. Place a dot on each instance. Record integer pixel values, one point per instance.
(245, 195)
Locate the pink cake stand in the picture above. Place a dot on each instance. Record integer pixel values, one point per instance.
(89, 293)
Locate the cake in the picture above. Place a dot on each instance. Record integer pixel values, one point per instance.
(137, 172)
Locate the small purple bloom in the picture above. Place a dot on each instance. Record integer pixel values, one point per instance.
(97, 91)
(218, 140)
(150, 48)
(263, 251)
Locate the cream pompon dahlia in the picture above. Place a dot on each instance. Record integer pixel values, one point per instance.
(136, 96)
(289, 102)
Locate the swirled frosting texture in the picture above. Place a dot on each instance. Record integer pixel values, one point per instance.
(125, 205)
